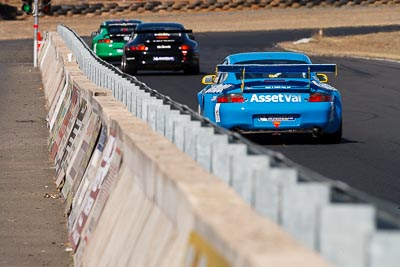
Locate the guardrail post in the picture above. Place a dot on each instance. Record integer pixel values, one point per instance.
(204, 142)
(96, 75)
(179, 124)
(132, 91)
(384, 249)
(152, 106)
(244, 172)
(268, 191)
(140, 97)
(160, 118)
(129, 100)
(114, 86)
(102, 80)
(190, 132)
(222, 159)
(169, 118)
(122, 88)
(301, 206)
(345, 231)
(108, 83)
(146, 102)
(118, 89)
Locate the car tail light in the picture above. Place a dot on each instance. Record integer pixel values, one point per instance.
(140, 47)
(230, 98)
(184, 48)
(319, 97)
(106, 41)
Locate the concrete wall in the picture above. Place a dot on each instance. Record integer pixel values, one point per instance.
(347, 228)
(132, 198)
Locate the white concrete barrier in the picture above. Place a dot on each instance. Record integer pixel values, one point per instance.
(134, 199)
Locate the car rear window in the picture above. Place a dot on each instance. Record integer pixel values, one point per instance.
(121, 30)
(271, 75)
(271, 61)
(161, 33)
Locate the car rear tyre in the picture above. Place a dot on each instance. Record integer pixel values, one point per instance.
(123, 63)
(126, 67)
(130, 69)
(192, 70)
(333, 138)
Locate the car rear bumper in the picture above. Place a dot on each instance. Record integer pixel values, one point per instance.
(161, 62)
(109, 51)
(274, 118)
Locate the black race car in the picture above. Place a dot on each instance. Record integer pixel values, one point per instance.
(161, 46)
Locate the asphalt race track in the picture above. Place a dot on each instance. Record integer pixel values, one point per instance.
(368, 157)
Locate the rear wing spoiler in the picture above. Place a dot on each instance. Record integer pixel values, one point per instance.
(164, 31)
(255, 68)
(121, 24)
(276, 68)
(124, 24)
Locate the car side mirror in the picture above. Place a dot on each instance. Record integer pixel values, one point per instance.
(323, 78)
(93, 34)
(208, 79)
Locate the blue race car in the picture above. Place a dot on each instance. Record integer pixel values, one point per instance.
(273, 92)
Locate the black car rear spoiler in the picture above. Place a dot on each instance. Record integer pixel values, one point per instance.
(164, 31)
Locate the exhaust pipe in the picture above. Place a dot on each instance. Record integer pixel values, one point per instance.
(316, 132)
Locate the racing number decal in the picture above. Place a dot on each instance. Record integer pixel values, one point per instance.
(200, 253)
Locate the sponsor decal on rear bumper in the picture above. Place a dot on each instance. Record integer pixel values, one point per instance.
(278, 98)
(163, 58)
(216, 112)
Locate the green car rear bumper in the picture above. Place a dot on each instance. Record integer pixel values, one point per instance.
(109, 51)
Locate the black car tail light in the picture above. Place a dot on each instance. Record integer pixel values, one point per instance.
(184, 48)
(139, 47)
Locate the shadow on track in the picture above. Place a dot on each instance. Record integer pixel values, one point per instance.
(289, 139)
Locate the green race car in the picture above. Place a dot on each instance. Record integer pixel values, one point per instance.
(109, 40)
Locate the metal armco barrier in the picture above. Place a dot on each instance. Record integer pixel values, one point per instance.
(348, 227)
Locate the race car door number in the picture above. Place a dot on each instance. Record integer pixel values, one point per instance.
(276, 118)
